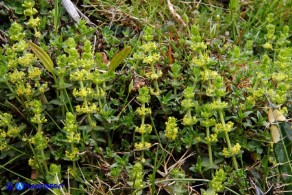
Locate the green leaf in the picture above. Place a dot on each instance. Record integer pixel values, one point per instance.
(118, 58)
(42, 56)
(88, 32)
(283, 154)
(56, 15)
(131, 86)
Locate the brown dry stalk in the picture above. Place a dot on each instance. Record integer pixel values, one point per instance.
(175, 15)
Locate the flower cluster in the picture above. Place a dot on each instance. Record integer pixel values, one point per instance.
(71, 128)
(188, 103)
(196, 42)
(233, 151)
(223, 128)
(137, 175)
(72, 155)
(87, 108)
(206, 113)
(219, 105)
(142, 145)
(37, 108)
(171, 128)
(148, 54)
(143, 129)
(80, 68)
(16, 32)
(32, 22)
(217, 181)
(33, 163)
(8, 129)
(175, 73)
(39, 141)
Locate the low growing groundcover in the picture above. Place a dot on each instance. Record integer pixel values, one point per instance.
(145, 97)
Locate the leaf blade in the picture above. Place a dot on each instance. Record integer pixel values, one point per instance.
(118, 58)
(42, 56)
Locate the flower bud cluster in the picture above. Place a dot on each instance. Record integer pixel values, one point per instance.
(143, 129)
(37, 108)
(136, 176)
(188, 103)
(171, 128)
(233, 151)
(8, 129)
(196, 43)
(39, 141)
(73, 136)
(217, 182)
(148, 54)
(30, 11)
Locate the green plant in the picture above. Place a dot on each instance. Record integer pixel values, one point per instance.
(143, 104)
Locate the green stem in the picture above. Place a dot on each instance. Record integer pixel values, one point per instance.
(44, 162)
(74, 167)
(234, 162)
(156, 86)
(209, 148)
(155, 81)
(142, 135)
(99, 99)
(175, 91)
(189, 114)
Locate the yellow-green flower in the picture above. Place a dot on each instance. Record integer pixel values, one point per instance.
(43, 88)
(37, 34)
(143, 111)
(219, 105)
(188, 103)
(228, 126)
(35, 73)
(30, 12)
(2, 133)
(209, 122)
(189, 120)
(235, 149)
(232, 152)
(33, 163)
(79, 75)
(39, 140)
(73, 137)
(144, 129)
(33, 22)
(83, 92)
(87, 108)
(225, 152)
(16, 76)
(148, 47)
(73, 154)
(268, 45)
(212, 138)
(12, 131)
(171, 128)
(142, 145)
(38, 119)
(23, 90)
(138, 56)
(152, 59)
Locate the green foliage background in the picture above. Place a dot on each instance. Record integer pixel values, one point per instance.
(147, 97)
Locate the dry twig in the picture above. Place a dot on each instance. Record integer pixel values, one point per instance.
(175, 15)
